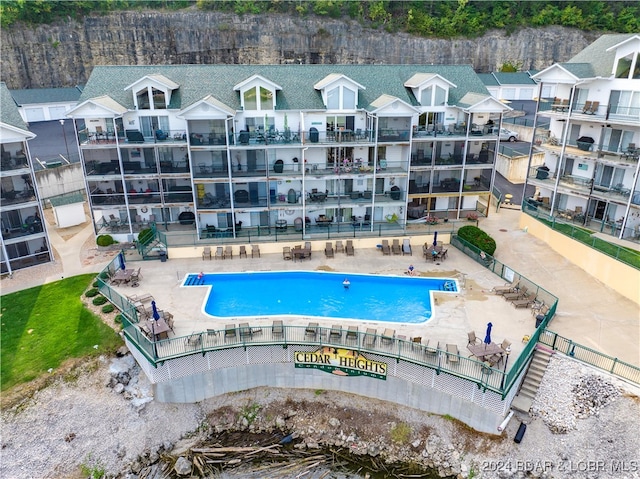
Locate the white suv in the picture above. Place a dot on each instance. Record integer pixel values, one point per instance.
(505, 135)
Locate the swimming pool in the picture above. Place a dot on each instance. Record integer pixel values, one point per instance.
(401, 299)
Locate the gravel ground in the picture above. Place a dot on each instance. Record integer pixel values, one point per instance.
(80, 420)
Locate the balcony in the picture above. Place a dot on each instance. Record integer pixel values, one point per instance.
(88, 137)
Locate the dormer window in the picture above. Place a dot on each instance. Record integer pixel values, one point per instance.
(433, 95)
(626, 64)
(341, 98)
(258, 98)
(153, 92)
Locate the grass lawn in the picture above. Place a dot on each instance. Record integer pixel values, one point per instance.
(44, 326)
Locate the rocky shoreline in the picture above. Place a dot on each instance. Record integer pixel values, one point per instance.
(106, 420)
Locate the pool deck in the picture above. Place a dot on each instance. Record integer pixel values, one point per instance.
(454, 314)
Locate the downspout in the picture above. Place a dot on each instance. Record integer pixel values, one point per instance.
(535, 124)
(304, 195)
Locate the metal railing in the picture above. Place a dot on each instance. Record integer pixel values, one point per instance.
(588, 356)
(627, 256)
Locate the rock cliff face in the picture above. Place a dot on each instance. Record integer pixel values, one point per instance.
(63, 54)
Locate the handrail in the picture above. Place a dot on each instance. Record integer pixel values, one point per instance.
(589, 356)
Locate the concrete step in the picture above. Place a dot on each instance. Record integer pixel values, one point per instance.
(522, 403)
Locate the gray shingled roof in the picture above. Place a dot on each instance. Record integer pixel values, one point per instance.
(597, 57)
(488, 79)
(9, 112)
(513, 78)
(198, 81)
(580, 70)
(45, 95)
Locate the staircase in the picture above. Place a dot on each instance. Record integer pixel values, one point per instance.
(523, 401)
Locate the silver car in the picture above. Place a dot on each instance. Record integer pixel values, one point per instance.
(505, 135)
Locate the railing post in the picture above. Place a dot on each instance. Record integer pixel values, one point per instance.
(613, 366)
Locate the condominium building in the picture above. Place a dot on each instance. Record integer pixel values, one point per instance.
(590, 176)
(23, 237)
(233, 150)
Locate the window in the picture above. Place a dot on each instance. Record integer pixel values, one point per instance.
(258, 98)
(625, 103)
(333, 99)
(433, 96)
(149, 124)
(341, 98)
(143, 100)
(623, 68)
(159, 101)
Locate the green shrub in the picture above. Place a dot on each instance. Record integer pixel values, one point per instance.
(96, 284)
(108, 308)
(91, 293)
(478, 238)
(99, 300)
(145, 236)
(118, 319)
(105, 240)
(104, 276)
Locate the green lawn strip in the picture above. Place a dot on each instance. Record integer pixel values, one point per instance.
(626, 255)
(44, 326)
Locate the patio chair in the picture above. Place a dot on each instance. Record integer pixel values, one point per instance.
(496, 358)
(219, 252)
(406, 247)
(594, 108)
(328, 249)
(311, 331)
(206, 253)
(243, 251)
(471, 336)
(389, 335)
(395, 247)
(255, 251)
(286, 253)
(228, 252)
(587, 107)
(349, 249)
(386, 249)
(135, 276)
(339, 247)
(168, 317)
(370, 337)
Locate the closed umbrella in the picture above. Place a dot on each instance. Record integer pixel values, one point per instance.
(156, 315)
(487, 338)
(121, 259)
(435, 239)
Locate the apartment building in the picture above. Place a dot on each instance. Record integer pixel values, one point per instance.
(231, 150)
(23, 237)
(590, 176)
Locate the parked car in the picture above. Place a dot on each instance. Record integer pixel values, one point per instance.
(505, 135)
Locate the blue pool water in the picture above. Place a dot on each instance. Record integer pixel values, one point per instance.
(321, 294)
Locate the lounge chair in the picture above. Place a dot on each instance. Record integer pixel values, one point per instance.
(587, 107)
(386, 250)
(370, 337)
(311, 331)
(277, 329)
(255, 250)
(286, 253)
(328, 249)
(510, 288)
(389, 335)
(453, 354)
(339, 247)
(229, 332)
(206, 253)
(243, 251)
(219, 252)
(349, 249)
(524, 302)
(594, 108)
(352, 333)
(471, 336)
(335, 334)
(519, 294)
(228, 252)
(406, 247)
(395, 247)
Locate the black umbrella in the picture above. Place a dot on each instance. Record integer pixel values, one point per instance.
(121, 259)
(487, 338)
(156, 315)
(435, 239)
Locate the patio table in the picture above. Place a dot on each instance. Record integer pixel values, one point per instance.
(482, 351)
